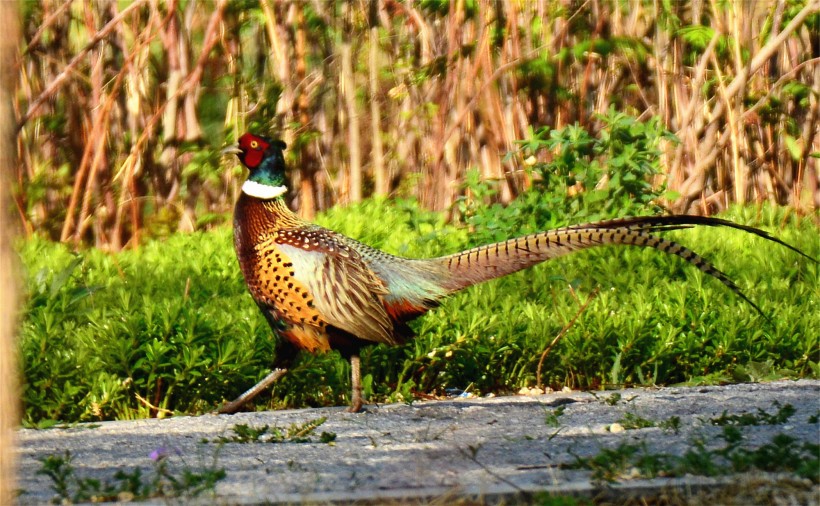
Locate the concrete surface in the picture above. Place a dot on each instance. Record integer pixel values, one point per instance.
(490, 449)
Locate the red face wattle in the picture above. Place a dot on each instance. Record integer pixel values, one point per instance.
(253, 149)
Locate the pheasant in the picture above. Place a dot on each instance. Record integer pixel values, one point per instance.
(321, 291)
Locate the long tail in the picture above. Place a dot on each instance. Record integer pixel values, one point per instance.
(495, 260)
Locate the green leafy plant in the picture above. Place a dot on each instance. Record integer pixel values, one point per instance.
(552, 416)
(671, 424)
(129, 485)
(631, 421)
(295, 433)
(588, 176)
(784, 412)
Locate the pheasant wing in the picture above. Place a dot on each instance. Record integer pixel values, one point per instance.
(345, 291)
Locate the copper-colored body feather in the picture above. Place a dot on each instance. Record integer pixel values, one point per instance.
(270, 277)
(269, 239)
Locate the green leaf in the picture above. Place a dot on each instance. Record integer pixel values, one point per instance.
(697, 35)
(793, 146)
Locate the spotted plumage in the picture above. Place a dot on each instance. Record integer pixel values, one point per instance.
(320, 290)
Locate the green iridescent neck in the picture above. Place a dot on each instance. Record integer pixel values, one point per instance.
(271, 172)
(267, 180)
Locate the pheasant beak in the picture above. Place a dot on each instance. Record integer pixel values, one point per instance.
(233, 149)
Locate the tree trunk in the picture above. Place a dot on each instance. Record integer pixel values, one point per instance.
(9, 397)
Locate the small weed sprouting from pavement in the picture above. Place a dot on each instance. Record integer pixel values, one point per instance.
(128, 486)
(672, 424)
(608, 464)
(295, 433)
(59, 469)
(245, 434)
(760, 418)
(631, 421)
(552, 415)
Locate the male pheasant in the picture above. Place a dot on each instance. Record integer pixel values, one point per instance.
(320, 290)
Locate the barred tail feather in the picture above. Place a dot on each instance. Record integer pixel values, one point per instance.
(677, 222)
(496, 260)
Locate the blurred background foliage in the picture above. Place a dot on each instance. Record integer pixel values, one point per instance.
(122, 106)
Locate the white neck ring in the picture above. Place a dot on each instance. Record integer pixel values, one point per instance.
(262, 191)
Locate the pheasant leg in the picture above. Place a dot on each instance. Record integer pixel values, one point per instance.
(236, 404)
(356, 384)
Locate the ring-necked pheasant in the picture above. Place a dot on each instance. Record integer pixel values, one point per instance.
(320, 290)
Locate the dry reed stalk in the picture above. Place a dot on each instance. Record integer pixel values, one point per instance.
(349, 115)
(379, 170)
(96, 144)
(811, 135)
(308, 190)
(133, 163)
(686, 130)
(55, 84)
(47, 23)
(734, 137)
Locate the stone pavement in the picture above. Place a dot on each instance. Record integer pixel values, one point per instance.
(501, 449)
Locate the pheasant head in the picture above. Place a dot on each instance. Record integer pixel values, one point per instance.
(264, 158)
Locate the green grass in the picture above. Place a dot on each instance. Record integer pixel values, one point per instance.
(170, 328)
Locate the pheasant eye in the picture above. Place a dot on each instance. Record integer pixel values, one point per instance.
(254, 144)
